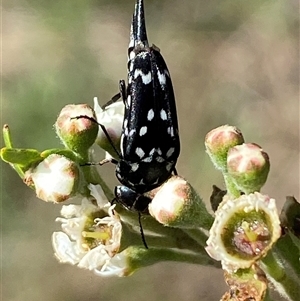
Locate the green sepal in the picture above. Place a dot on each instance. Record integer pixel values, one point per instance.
(20, 156)
(63, 152)
(21, 159)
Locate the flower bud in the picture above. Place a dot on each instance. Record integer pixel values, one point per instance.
(55, 179)
(112, 119)
(218, 141)
(244, 230)
(77, 134)
(248, 165)
(177, 204)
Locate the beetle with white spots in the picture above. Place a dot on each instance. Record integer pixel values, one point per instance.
(150, 142)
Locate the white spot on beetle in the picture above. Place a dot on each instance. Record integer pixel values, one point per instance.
(152, 151)
(131, 133)
(121, 145)
(169, 166)
(129, 182)
(163, 114)
(160, 159)
(134, 167)
(131, 66)
(147, 159)
(146, 78)
(143, 130)
(131, 55)
(120, 177)
(144, 53)
(140, 152)
(161, 78)
(170, 131)
(170, 152)
(155, 181)
(159, 151)
(128, 101)
(150, 115)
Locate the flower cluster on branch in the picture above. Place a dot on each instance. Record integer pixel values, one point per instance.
(244, 233)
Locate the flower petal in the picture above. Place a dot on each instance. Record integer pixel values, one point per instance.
(66, 251)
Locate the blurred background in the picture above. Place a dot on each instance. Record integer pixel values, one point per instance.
(231, 62)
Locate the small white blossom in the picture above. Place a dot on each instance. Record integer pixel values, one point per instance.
(91, 234)
(112, 119)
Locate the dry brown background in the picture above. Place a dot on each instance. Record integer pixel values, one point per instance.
(232, 62)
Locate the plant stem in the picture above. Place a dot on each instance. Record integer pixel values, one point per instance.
(230, 186)
(141, 257)
(8, 143)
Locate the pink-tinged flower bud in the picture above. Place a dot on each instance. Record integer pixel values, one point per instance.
(77, 134)
(248, 165)
(112, 119)
(244, 230)
(218, 141)
(247, 284)
(55, 179)
(177, 204)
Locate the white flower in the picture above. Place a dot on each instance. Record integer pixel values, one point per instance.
(112, 119)
(91, 234)
(244, 230)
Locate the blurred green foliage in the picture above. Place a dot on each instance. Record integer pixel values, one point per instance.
(232, 62)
